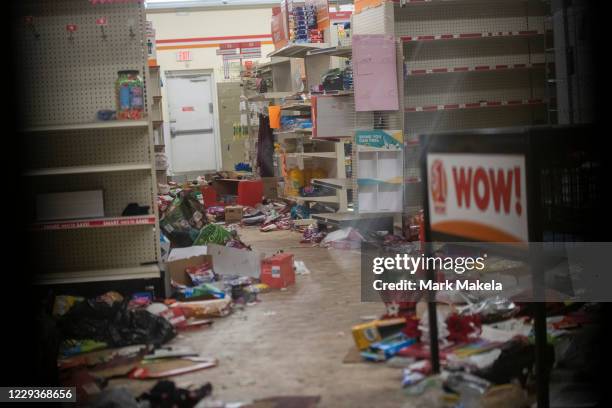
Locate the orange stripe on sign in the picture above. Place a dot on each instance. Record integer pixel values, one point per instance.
(184, 47)
(473, 230)
(228, 37)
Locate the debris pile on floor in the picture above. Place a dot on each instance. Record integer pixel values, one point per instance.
(486, 349)
(211, 273)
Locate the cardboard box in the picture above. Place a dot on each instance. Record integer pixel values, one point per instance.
(70, 205)
(366, 334)
(270, 186)
(233, 214)
(277, 271)
(233, 261)
(181, 258)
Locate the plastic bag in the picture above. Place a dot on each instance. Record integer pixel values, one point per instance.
(213, 233)
(109, 320)
(184, 219)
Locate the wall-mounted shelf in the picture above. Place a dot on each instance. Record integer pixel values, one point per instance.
(473, 68)
(109, 168)
(471, 36)
(343, 52)
(323, 199)
(474, 105)
(434, 2)
(318, 155)
(297, 50)
(111, 124)
(297, 106)
(334, 183)
(105, 222)
(139, 272)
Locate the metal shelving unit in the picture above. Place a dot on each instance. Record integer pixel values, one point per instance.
(458, 58)
(308, 61)
(70, 76)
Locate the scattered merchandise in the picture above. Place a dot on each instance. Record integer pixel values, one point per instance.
(213, 233)
(107, 319)
(200, 274)
(366, 334)
(347, 238)
(386, 348)
(166, 394)
(313, 235)
(147, 372)
(300, 268)
(410, 377)
(170, 352)
(184, 219)
(205, 308)
(233, 214)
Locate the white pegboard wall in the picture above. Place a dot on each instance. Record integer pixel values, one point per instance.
(474, 87)
(119, 189)
(389, 120)
(469, 17)
(89, 148)
(91, 249)
(377, 20)
(71, 77)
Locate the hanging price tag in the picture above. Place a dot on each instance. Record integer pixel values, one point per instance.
(102, 21)
(71, 28)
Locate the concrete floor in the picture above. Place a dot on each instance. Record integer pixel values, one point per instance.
(293, 342)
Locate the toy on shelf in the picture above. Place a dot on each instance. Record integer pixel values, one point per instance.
(130, 95)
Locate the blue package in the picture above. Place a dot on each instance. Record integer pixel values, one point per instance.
(388, 347)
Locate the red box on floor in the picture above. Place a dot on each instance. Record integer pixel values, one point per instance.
(277, 271)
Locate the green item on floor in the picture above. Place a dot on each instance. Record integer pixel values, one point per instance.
(74, 347)
(213, 233)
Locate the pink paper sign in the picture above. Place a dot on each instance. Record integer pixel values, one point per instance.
(375, 73)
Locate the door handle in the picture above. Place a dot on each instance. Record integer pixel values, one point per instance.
(210, 107)
(191, 131)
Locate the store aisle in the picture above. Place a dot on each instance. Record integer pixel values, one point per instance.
(293, 342)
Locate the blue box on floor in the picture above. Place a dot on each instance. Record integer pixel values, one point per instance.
(387, 348)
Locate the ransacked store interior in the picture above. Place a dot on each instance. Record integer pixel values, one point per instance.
(308, 203)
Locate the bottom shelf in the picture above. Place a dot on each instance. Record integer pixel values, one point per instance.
(99, 275)
(322, 199)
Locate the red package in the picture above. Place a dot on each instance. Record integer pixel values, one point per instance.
(175, 316)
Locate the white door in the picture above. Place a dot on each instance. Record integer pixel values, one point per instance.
(194, 145)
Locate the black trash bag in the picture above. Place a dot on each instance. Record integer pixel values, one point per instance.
(114, 324)
(516, 360)
(165, 394)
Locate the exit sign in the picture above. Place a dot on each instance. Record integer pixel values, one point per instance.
(182, 56)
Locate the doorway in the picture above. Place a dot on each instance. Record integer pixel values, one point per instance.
(194, 135)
